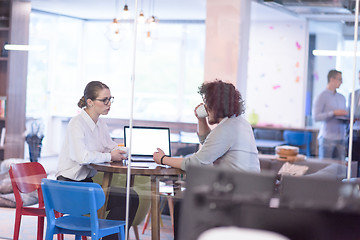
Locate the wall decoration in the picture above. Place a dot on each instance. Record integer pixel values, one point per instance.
(276, 75)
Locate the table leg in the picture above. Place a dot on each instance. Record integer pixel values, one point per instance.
(106, 187)
(155, 209)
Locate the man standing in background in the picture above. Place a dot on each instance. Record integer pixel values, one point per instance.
(329, 108)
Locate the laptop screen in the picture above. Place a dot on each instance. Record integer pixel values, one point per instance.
(146, 140)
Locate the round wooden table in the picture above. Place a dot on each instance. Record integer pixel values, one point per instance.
(155, 171)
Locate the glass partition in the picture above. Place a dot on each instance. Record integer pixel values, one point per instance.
(284, 79)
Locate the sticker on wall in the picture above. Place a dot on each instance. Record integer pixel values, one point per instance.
(297, 79)
(297, 65)
(316, 76)
(253, 118)
(275, 87)
(298, 46)
(271, 28)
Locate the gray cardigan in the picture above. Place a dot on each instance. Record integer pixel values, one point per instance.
(231, 144)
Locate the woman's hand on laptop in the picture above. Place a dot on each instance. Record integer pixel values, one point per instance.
(118, 155)
(160, 158)
(158, 155)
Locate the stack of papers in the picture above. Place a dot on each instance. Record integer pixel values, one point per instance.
(292, 169)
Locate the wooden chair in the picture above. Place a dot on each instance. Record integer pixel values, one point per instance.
(26, 178)
(168, 193)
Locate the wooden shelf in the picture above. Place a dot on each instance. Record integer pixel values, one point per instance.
(14, 22)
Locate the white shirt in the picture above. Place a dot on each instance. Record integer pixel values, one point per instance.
(231, 144)
(85, 142)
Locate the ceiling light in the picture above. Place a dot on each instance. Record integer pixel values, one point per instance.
(141, 18)
(15, 47)
(113, 30)
(148, 39)
(152, 22)
(334, 53)
(113, 34)
(126, 12)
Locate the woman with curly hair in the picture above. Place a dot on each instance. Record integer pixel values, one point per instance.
(231, 143)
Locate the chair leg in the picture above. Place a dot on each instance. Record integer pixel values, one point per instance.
(136, 232)
(146, 221)
(40, 230)
(162, 206)
(122, 233)
(49, 234)
(171, 209)
(17, 224)
(59, 236)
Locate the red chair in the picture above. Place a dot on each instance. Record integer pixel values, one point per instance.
(26, 178)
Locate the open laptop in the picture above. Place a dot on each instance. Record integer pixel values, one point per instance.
(146, 140)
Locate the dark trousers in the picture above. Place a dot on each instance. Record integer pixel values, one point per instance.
(177, 210)
(116, 204)
(356, 150)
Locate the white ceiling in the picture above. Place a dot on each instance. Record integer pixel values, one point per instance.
(106, 9)
(163, 9)
(188, 9)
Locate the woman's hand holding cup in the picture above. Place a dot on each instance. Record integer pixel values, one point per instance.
(119, 153)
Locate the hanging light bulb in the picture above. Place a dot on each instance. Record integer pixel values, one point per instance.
(141, 18)
(152, 22)
(126, 12)
(113, 34)
(114, 27)
(148, 39)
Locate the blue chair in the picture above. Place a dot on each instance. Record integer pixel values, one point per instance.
(74, 200)
(301, 139)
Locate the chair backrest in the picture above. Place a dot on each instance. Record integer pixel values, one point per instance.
(26, 178)
(213, 196)
(314, 193)
(74, 198)
(298, 138)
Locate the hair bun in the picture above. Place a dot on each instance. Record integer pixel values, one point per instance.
(82, 102)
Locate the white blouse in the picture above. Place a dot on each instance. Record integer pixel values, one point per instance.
(85, 142)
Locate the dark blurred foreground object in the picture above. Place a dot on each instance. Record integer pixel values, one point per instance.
(296, 207)
(34, 140)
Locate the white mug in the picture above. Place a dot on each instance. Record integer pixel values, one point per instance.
(125, 149)
(201, 111)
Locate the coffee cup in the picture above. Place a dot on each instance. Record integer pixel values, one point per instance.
(201, 111)
(125, 149)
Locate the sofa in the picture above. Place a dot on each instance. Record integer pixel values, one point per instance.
(331, 169)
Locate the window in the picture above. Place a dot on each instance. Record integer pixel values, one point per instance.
(168, 70)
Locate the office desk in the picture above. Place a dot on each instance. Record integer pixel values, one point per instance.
(265, 143)
(266, 146)
(153, 170)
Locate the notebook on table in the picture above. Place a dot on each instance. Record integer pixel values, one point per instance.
(146, 140)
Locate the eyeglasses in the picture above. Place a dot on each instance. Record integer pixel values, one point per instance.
(339, 79)
(106, 101)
